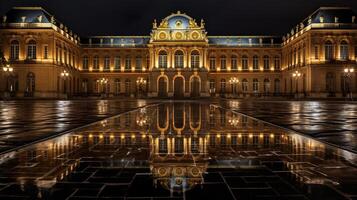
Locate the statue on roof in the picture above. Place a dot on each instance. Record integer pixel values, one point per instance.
(202, 23)
(154, 24)
(192, 23)
(164, 24)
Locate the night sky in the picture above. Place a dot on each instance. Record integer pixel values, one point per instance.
(222, 17)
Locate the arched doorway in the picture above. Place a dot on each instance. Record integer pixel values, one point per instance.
(162, 87)
(195, 87)
(179, 87)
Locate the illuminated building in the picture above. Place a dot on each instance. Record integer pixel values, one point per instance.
(179, 59)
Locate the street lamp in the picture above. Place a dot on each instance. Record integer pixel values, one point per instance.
(7, 68)
(234, 81)
(65, 75)
(140, 82)
(296, 75)
(103, 82)
(7, 71)
(347, 73)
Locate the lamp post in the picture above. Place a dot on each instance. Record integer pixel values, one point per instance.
(140, 82)
(64, 76)
(296, 75)
(234, 82)
(347, 73)
(103, 83)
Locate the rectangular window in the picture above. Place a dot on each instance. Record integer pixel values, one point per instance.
(316, 52)
(127, 63)
(117, 63)
(223, 64)
(14, 52)
(45, 52)
(106, 63)
(31, 51)
(277, 63)
(138, 65)
(85, 63)
(255, 63)
(234, 63)
(245, 63)
(96, 63)
(344, 52)
(212, 64)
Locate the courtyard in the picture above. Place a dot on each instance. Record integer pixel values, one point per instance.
(162, 149)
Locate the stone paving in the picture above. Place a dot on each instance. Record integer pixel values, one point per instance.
(332, 122)
(22, 122)
(179, 151)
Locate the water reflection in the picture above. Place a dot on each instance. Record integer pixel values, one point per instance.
(179, 144)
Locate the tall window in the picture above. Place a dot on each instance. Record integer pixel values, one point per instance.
(344, 50)
(195, 59)
(96, 63)
(178, 59)
(212, 63)
(127, 63)
(14, 50)
(85, 62)
(255, 85)
(276, 86)
(223, 63)
(223, 86)
(45, 52)
(117, 87)
(356, 52)
(244, 85)
(328, 51)
(266, 85)
(245, 62)
(276, 63)
(106, 63)
(255, 62)
(162, 59)
(316, 52)
(65, 55)
(266, 62)
(234, 64)
(138, 63)
(212, 85)
(31, 50)
(117, 63)
(30, 84)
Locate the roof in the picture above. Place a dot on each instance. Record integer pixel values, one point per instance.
(28, 15)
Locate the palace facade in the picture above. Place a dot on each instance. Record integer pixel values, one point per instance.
(178, 59)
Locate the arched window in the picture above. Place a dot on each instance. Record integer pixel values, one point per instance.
(117, 62)
(234, 64)
(31, 50)
(223, 62)
(96, 63)
(127, 63)
(266, 62)
(344, 50)
(85, 86)
(266, 85)
(245, 62)
(14, 50)
(212, 85)
(85, 62)
(255, 62)
(276, 86)
(162, 59)
(179, 59)
(277, 63)
(117, 87)
(30, 84)
(255, 85)
(212, 63)
(138, 63)
(195, 59)
(328, 50)
(244, 85)
(223, 86)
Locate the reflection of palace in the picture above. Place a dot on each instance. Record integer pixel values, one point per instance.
(179, 59)
(176, 141)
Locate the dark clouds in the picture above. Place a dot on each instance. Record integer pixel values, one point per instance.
(223, 17)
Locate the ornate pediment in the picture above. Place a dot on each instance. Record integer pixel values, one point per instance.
(178, 27)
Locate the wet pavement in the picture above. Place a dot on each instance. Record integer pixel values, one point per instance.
(23, 122)
(332, 122)
(179, 151)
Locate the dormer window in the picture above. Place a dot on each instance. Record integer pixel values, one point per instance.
(336, 19)
(39, 18)
(322, 19)
(23, 19)
(4, 18)
(353, 19)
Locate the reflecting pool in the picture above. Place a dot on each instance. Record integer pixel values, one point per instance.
(179, 150)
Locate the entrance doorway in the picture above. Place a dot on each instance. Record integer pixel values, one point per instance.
(195, 87)
(179, 87)
(162, 90)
